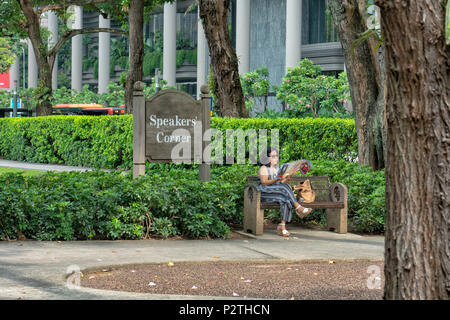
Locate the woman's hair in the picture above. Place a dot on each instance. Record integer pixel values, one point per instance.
(264, 159)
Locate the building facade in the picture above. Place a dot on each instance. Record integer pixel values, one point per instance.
(275, 34)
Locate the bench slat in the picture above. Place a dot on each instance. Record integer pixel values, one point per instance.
(316, 205)
(295, 178)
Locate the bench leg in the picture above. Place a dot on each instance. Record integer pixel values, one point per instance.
(337, 220)
(253, 214)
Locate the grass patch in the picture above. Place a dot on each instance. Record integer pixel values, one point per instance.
(25, 172)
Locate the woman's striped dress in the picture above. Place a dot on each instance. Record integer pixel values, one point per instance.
(278, 192)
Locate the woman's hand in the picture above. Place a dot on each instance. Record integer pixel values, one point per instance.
(285, 179)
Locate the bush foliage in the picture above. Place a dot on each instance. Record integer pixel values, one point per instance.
(106, 141)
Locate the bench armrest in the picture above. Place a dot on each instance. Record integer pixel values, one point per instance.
(338, 192)
(252, 192)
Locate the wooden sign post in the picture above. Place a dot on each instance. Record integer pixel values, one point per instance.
(170, 127)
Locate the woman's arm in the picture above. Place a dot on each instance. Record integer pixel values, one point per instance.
(263, 174)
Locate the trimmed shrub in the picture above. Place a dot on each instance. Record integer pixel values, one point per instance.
(106, 141)
(104, 205)
(99, 142)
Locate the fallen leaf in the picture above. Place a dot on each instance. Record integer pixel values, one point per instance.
(330, 261)
(235, 294)
(170, 264)
(20, 244)
(215, 257)
(287, 239)
(242, 278)
(155, 277)
(186, 274)
(113, 251)
(315, 273)
(58, 241)
(152, 284)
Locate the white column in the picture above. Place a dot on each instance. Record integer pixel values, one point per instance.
(32, 67)
(293, 32)
(52, 40)
(243, 35)
(14, 73)
(170, 42)
(103, 55)
(77, 51)
(201, 57)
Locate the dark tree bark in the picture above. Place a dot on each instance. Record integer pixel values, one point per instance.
(417, 255)
(43, 107)
(136, 39)
(224, 62)
(366, 79)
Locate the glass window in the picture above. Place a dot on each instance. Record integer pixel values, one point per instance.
(317, 23)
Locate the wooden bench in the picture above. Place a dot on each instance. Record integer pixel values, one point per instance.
(333, 198)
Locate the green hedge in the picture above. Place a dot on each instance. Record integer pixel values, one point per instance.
(93, 141)
(106, 141)
(169, 200)
(306, 138)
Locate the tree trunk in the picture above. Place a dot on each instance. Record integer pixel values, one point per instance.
(224, 62)
(417, 264)
(43, 106)
(136, 40)
(366, 81)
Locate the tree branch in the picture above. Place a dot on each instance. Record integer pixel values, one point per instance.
(67, 35)
(64, 5)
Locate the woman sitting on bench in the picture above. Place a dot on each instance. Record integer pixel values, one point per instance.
(275, 189)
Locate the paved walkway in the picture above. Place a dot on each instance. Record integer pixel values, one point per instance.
(38, 270)
(41, 166)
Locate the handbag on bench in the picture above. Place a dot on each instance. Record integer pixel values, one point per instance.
(305, 194)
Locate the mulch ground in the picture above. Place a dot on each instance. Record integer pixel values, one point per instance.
(335, 280)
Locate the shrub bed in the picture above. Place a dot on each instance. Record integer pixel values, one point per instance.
(168, 200)
(102, 205)
(106, 141)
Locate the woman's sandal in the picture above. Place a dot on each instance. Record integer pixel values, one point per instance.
(283, 232)
(304, 213)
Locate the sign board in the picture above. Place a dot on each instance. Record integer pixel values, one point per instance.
(173, 117)
(170, 127)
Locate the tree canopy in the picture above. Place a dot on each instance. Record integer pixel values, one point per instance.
(6, 55)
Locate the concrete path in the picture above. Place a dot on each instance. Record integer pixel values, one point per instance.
(42, 166)
(38, 270)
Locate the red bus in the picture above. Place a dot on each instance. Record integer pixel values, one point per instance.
(87, 109)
